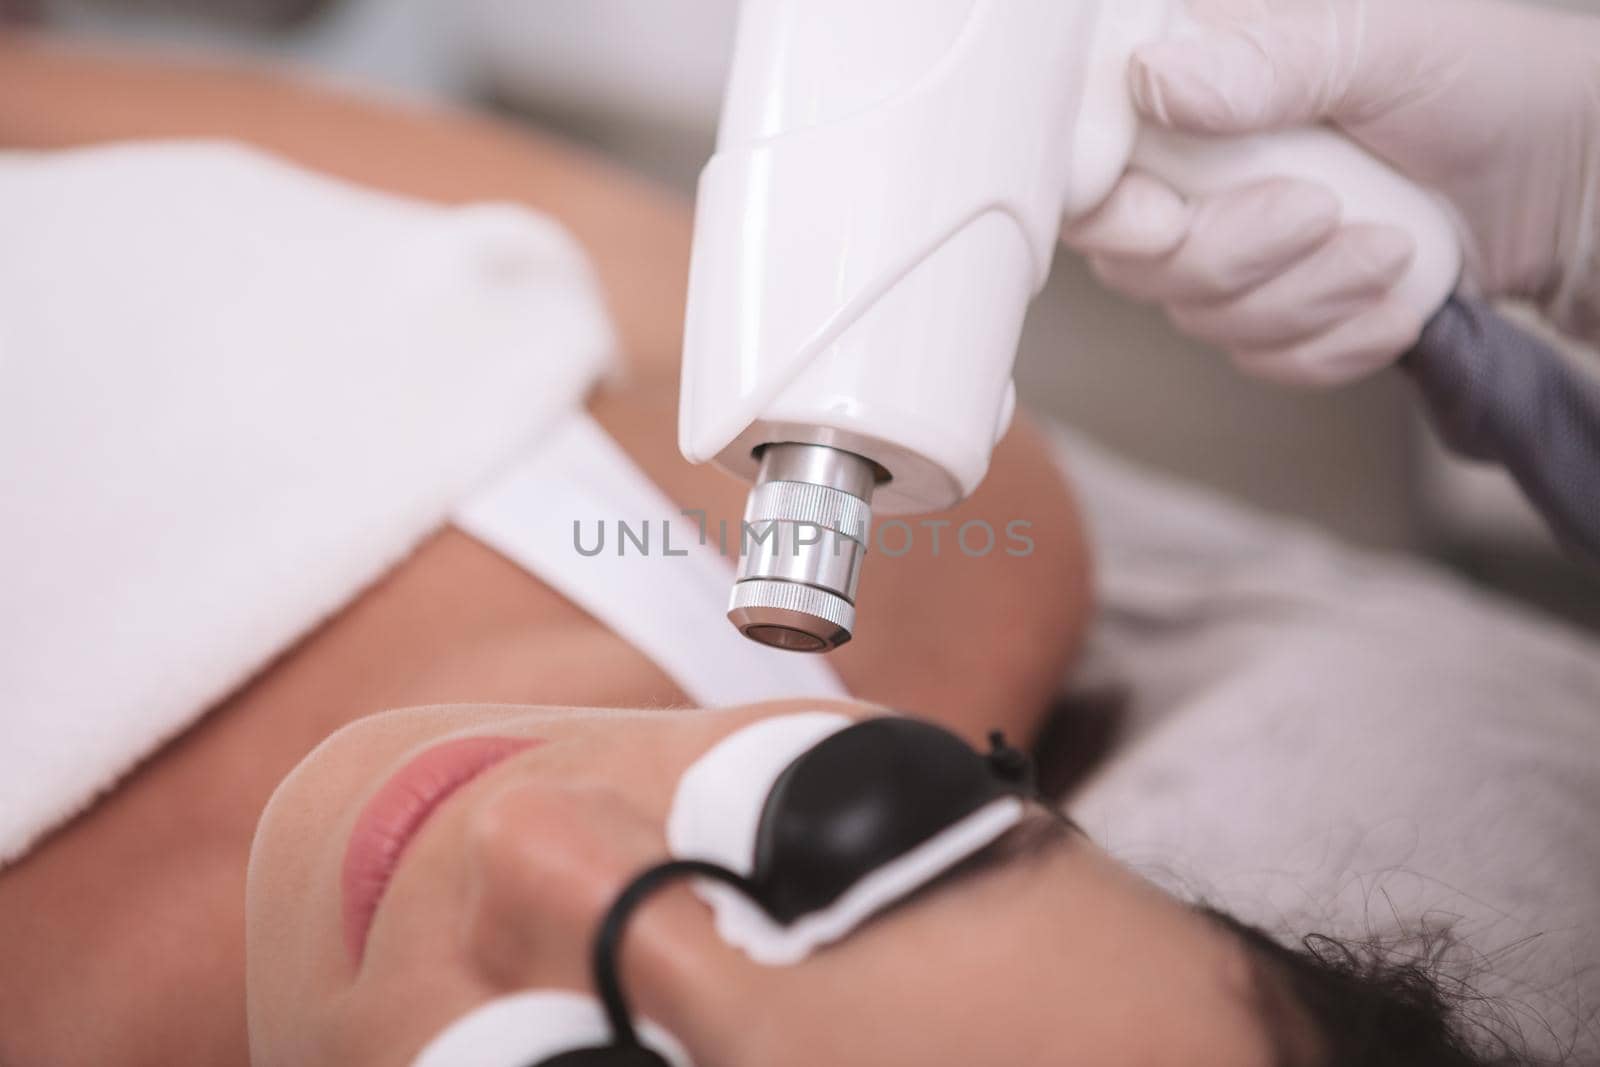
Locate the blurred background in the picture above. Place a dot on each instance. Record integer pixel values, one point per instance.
(642, 81)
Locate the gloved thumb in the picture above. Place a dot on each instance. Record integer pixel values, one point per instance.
(1275, 63)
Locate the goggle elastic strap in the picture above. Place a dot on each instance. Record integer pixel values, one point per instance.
(607, 953)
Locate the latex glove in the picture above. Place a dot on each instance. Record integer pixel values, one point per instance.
(1493, 104)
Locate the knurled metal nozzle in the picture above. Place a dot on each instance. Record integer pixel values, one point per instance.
(806, 530)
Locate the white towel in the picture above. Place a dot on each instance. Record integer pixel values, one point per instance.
(232, 393)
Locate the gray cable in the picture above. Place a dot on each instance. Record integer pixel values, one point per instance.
(1495, 392)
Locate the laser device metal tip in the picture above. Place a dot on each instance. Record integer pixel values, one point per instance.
(806, 529)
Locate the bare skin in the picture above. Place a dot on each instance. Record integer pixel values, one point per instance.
(123, 934)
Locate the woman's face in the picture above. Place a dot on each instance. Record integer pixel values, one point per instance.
(500, 889)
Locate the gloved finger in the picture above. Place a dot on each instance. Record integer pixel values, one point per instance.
(1353, 349)
(1269, 65)
(1143, 217)
(1349, 274)
(1236, 241)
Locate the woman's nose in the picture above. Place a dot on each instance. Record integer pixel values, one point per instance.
(545, 862)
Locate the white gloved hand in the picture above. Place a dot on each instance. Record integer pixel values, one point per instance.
(1493, 104)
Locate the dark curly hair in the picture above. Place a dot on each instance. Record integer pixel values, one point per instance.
(1332, 1003)
(1324, 1002)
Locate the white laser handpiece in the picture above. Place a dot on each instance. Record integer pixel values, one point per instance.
(885, 198)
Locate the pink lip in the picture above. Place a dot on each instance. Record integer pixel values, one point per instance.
(397, 811)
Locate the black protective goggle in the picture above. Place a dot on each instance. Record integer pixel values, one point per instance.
(844, 808)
